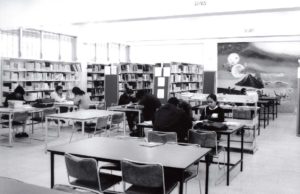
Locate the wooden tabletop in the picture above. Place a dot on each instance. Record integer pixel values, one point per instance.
(83, 114)
(11, 186)
(113, 149)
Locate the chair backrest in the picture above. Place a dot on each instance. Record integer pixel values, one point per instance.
(103, 122)
(82, 169)
(117, 118)
(162, 137)
(143, 175)
(50, 111)
(20, 117)
(203, 138)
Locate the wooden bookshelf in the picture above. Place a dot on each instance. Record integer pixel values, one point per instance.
(37, 76)
(137, 76)
(95, 81)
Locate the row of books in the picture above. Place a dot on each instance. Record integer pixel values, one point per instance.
(135, 77)
(40, 66)
(186, 78)
(95, 77)
(33, 86)
(23, 76)
(93, 85)
(136, 85)
(186, 68)
(188, 86)
(95, 68)
(137, 68)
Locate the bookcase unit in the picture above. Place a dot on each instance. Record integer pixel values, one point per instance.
(185, 77)
(95, 81)
(37, 76)
(137, 76)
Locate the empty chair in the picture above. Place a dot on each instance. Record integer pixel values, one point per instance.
(145, 178)
(41, 116)
(207, 139)
(101, 126)
(84, 173)
(162, 137)
(116, 120)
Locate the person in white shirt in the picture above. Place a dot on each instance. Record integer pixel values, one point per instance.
(81, 98)
(57, 95)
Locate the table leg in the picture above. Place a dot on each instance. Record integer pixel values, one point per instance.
(181, 183)
(10, 129)
(59, 128)
(46, 133)
(242, 147)
(124, 123)
(268, 115)
(51, 170)
(228, 159)
(273, 111)
(207, 161)
(82, 127)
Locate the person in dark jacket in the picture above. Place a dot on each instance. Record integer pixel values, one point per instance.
(127, 98)
(150, 105)
(212, 112)
(18, 94)
(170, 118)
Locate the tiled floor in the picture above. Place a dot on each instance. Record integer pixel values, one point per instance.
(273, 169)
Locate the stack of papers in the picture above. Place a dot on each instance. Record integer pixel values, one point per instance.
(150, 144)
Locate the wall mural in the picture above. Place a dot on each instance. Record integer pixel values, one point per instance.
(270, 67)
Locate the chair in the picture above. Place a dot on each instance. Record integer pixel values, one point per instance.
(207, 139)
(192, 171)
(102, 125)
(41, 117)
(146, 178)
(162, 137)
(116, 120)
(18, 119)
(84, 173)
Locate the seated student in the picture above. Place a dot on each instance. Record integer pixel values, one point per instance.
(150, 105)
(18, 94)
(170, 118)
(127, 98)
(58, 96)
(81, 99)
(212, 112)
(186, 107)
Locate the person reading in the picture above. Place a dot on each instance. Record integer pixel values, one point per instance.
(213, 112)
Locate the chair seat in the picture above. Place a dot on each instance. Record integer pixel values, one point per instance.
(14, 123)
(170, 185)
(107, 180)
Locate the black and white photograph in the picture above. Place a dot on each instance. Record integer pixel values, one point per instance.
(149, 97)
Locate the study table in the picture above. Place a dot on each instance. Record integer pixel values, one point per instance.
(274, 102)
(12, 186)
(81, 116)
(172, 156)
(233, 127)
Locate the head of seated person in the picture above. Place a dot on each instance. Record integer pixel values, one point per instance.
(212, 101)
(174, 101)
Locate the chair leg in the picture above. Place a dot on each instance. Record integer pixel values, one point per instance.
(199, 184)
(73, 129)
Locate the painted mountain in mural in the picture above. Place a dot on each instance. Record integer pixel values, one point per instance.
(250, 81)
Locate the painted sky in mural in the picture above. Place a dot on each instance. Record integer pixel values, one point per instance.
(270, 67)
